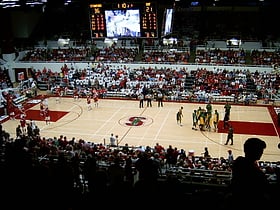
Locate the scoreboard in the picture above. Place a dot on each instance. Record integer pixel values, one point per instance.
(148, 24)
(149, 21)
(97, 21)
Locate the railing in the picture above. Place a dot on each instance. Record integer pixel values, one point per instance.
(165, 49)
(200, 175)
(19, 100)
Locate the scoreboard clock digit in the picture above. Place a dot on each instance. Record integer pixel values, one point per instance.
(125, 5)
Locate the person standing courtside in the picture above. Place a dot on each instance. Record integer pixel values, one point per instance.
(226, 120)
(227, 108)
(160, 99)
(95, 100)
(149, 99)
(19, 132)
(216, 120)
(208, 120)
(230, 157)
(230, 135)
(206, 153)
(180, 116)
(89, 106)
(195, 119)
(47, 116)
(141, 100)
(113, 140)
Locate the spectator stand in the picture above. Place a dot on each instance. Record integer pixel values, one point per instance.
(196, 175)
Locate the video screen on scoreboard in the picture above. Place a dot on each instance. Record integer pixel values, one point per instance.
(123, 23)
(167, 24)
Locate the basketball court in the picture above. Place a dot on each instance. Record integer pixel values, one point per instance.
(150, 125)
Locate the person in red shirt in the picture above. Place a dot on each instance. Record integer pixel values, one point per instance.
(159, 148)
(47, 116)
(89, 103)
(12, 114)
(95, 99)
(58, 91)
(22, 112)
(42, 108)
(76, 94)
(22, 122)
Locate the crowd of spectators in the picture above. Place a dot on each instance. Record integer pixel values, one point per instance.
(239, 83)
(238, 56)
(76, 54)
(73, 172)
(218, 56)
(5, 79)
(169, 54)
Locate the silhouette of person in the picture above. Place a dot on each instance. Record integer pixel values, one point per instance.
(149, 99)
(141, 100)
(249, 185)
(206, 153)
(226, 120)
(179, 116)
(230, 157)
(160, 99)
(216, 119)
(227, 108)
(230, 135)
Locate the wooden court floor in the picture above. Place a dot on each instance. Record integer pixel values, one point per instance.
(153, 125)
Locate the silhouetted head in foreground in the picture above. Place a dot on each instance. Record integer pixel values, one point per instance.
(253, 148)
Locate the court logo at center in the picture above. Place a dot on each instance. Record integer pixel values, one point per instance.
(136, 121)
